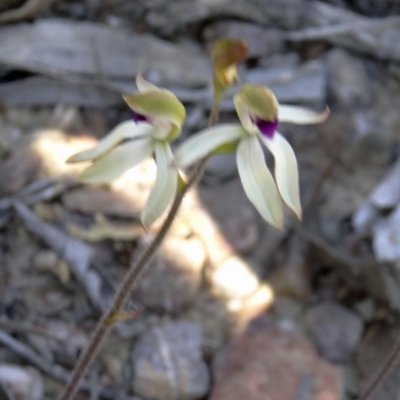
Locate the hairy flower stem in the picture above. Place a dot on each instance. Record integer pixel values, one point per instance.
(134, 273)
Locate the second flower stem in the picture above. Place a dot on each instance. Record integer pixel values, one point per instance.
(134, 273)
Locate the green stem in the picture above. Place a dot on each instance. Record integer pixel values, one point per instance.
(134, 273)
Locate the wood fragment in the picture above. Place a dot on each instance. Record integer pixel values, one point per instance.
(15, 326)
(77, 254)
(51, 369)
(40, 190)
(329, 32)
(28, 10)
(28, 354)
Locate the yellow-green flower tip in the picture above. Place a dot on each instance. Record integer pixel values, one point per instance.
(160, 107)
(258, 101)
(225, 54)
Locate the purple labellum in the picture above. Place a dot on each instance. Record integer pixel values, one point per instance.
(139, 117)
(267, 128)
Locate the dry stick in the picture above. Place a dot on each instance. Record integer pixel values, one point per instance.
(384, 371)
(331, 31)
(132, 276)
(9, 325)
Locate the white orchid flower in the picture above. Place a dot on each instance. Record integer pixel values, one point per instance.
(259, 114)
(158, 119)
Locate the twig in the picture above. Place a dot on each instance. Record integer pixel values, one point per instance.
(25, 328)
(328, 32)
(42, 189)
(24, 351)
(76, 253)
(53, 370)
(387, 366)
(134, 273)
(28, 10)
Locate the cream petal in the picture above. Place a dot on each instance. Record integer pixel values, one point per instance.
(116, 162)
(286, 171)
(204, 142)
(301, 115)
(165, 186)
(123, 131)
(258, 182)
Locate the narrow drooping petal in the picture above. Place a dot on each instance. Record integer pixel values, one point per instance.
(123, 131)
(301, 115)
(286, 171)
(258, 182)
(165, 186)
(116, 162)
(204, 142)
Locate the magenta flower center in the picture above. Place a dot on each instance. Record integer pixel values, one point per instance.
(139, 117)
(267, 128)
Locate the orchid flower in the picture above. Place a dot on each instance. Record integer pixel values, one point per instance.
(259, 114)
(158, 119)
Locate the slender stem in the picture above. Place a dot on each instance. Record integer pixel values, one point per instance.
(214, 115)
(383, 372)
(135, 271)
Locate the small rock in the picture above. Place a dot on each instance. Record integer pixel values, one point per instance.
(215, 320)
(48, 261)
(350, 82)
(168, 365)
(9, 138)
(45, 260)
(386, 238)
(173, 279)
(18, 170)
(366, 308)
(49, 212)
(335, 330)
(269, 362)
(288, 308)
(364, 218)
(293, 278)
(387, 193)
(23, 383)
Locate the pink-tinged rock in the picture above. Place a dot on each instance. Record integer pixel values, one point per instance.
(268, 362)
